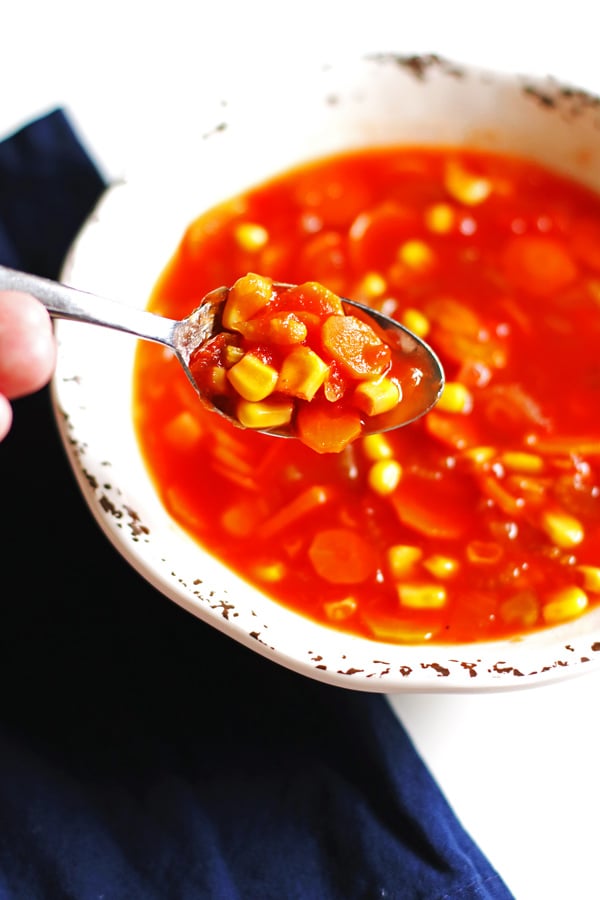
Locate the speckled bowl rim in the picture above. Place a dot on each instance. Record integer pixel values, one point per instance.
(91, 389)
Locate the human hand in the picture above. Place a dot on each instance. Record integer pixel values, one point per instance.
(27, 351)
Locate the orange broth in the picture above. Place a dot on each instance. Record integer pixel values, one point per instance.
(479, 521)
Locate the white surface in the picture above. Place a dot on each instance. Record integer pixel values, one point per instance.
(521, 768)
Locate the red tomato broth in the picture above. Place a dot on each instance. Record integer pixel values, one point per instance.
(480, 521)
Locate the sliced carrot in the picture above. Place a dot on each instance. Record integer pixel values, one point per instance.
(539, 265)
(356, 348)
(325, 428)
(301, 505)
(441, 507)
(342, 556)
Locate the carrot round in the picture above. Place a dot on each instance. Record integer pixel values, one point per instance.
(342, 556)
(539, 265)
(354, 345)
(325, 428)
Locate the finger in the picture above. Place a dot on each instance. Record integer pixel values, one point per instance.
(27, 346)
(6, 416)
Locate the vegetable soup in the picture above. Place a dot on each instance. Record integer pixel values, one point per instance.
(482, 519)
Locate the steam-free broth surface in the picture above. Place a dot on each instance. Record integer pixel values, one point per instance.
(478, 521)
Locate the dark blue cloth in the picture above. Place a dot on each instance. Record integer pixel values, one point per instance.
(143, 754)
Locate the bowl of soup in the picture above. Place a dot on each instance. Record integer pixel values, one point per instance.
(461, 552)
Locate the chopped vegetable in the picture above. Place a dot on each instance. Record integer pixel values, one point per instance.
(290, 345)
(342, 556)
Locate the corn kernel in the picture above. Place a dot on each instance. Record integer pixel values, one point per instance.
(252, 378)
(591, 578)
(521, 610)
(302, 373)
(377, 396)
(516, 461)
(396, 631)
(439, 218)
(338, 610)
(465, 186)
(563, 530)
(241, 519)
(232, 355)
(416, 255)
(384, 476)
(455, 398)
(564, 604)
(251, 236)
(215, 380)
(478, 455)
(441, 566)
(183, 430)
(402, 559)
(416, 321)
(422, 596)
(269, 572)
(376, 446)
(247, 296)
(373, 285)
(268, 413)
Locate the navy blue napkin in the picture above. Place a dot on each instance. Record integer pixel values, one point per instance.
(143, 754)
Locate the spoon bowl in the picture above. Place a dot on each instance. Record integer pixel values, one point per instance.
(186, 336)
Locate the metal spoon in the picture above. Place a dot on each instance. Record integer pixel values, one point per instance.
(185, 336)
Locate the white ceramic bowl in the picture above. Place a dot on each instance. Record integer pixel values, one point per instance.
(134, 232)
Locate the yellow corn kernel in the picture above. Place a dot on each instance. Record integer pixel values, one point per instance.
(402, 559)
(373, 285)
(376, 446)
(338, 610)
(242, 518)
(563, 530)
(269, 572)
(478, 455)
(591, 578)
(384, 476)
(377, 396)
(517, 461)
(216, 380)
(416, 255)
(564, 604)
(247, 296)
(422, 596)
(232, 355)
(521, 610)
(441, 566)
(440, 218)
(268, 413)
(393, 630)
(251, 236)
(456, 398)
(416, 321)
(183, 430)
(465, 186)
(252, 378)
(302, 373)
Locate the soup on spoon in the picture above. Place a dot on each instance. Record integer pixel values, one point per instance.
(289, 360)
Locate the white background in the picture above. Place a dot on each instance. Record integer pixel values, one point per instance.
(521, 769)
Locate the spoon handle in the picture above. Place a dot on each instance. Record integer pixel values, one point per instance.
(63, 302)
